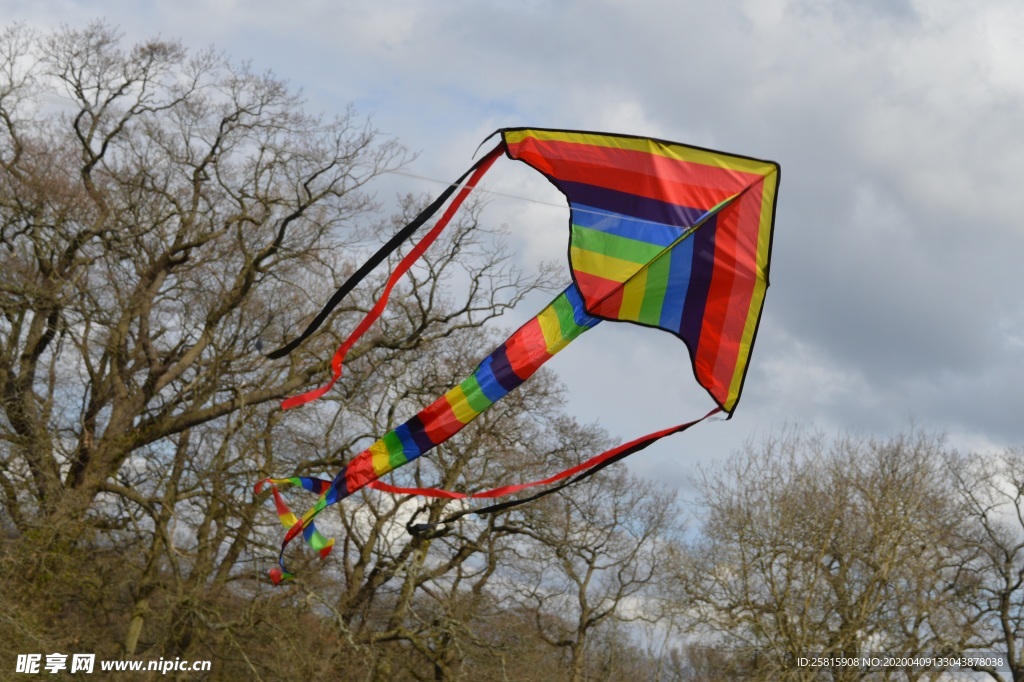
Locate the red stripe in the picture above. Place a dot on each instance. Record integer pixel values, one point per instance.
(426, 492)
(292, 533)
(602, 296)
(279, 503)
(748, 210)
(649, 175)
(526, 350)
(728, 301)
(400, 270)
(359, 472)
(648, 163)
(439, 420)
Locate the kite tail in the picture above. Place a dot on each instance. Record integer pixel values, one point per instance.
(475, 173)
(322, 545)
(512, 363)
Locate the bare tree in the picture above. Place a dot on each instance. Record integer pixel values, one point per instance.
(992, 488)
(836, 551)
(164, 216)
(589, 559)
(161, 213)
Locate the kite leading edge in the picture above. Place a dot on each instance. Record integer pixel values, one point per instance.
(662, 235)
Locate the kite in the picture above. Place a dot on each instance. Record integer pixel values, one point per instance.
(661, 234)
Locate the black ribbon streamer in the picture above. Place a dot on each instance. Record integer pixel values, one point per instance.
(376, 259)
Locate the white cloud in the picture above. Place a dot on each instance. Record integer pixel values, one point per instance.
(895, 280)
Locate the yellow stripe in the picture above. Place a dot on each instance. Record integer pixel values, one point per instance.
(464, 412)
(677, 152)
(288, 520)
(608, 267)
(633, 296)
(551, 329)
(380, 458)
(312, 511)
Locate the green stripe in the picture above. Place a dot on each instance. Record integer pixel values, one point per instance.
(566, 318)
(474, 394)
(613, 245)
(654, 292)
(317, 541)
(396, 454)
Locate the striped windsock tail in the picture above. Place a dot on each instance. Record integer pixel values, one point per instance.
(512, 363)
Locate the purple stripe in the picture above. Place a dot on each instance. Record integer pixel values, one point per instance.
(488, 383)
(315, 485)
(419, 435)
(502, 369)
(630, 204)
(701, 269)
(339, 487)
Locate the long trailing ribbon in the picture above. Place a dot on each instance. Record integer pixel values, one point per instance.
(584, 469)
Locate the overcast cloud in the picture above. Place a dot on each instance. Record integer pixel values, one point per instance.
(896, 273)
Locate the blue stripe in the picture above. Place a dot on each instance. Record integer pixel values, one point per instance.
(488, 382)
(623, 226)
(579, 309)
(314, 485)
(680, 268)
(409, 447)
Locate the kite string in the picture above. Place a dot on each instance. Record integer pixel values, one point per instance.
(481, 190)
(400, 270)
(562, 206)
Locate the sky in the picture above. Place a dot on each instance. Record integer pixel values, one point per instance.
(895, 298)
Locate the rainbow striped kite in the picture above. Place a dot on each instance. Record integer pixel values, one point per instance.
(660, 234)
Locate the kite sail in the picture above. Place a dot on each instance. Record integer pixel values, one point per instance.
(661, 234)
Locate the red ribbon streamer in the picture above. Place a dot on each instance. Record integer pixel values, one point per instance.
(400, 270)
(636, 444)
